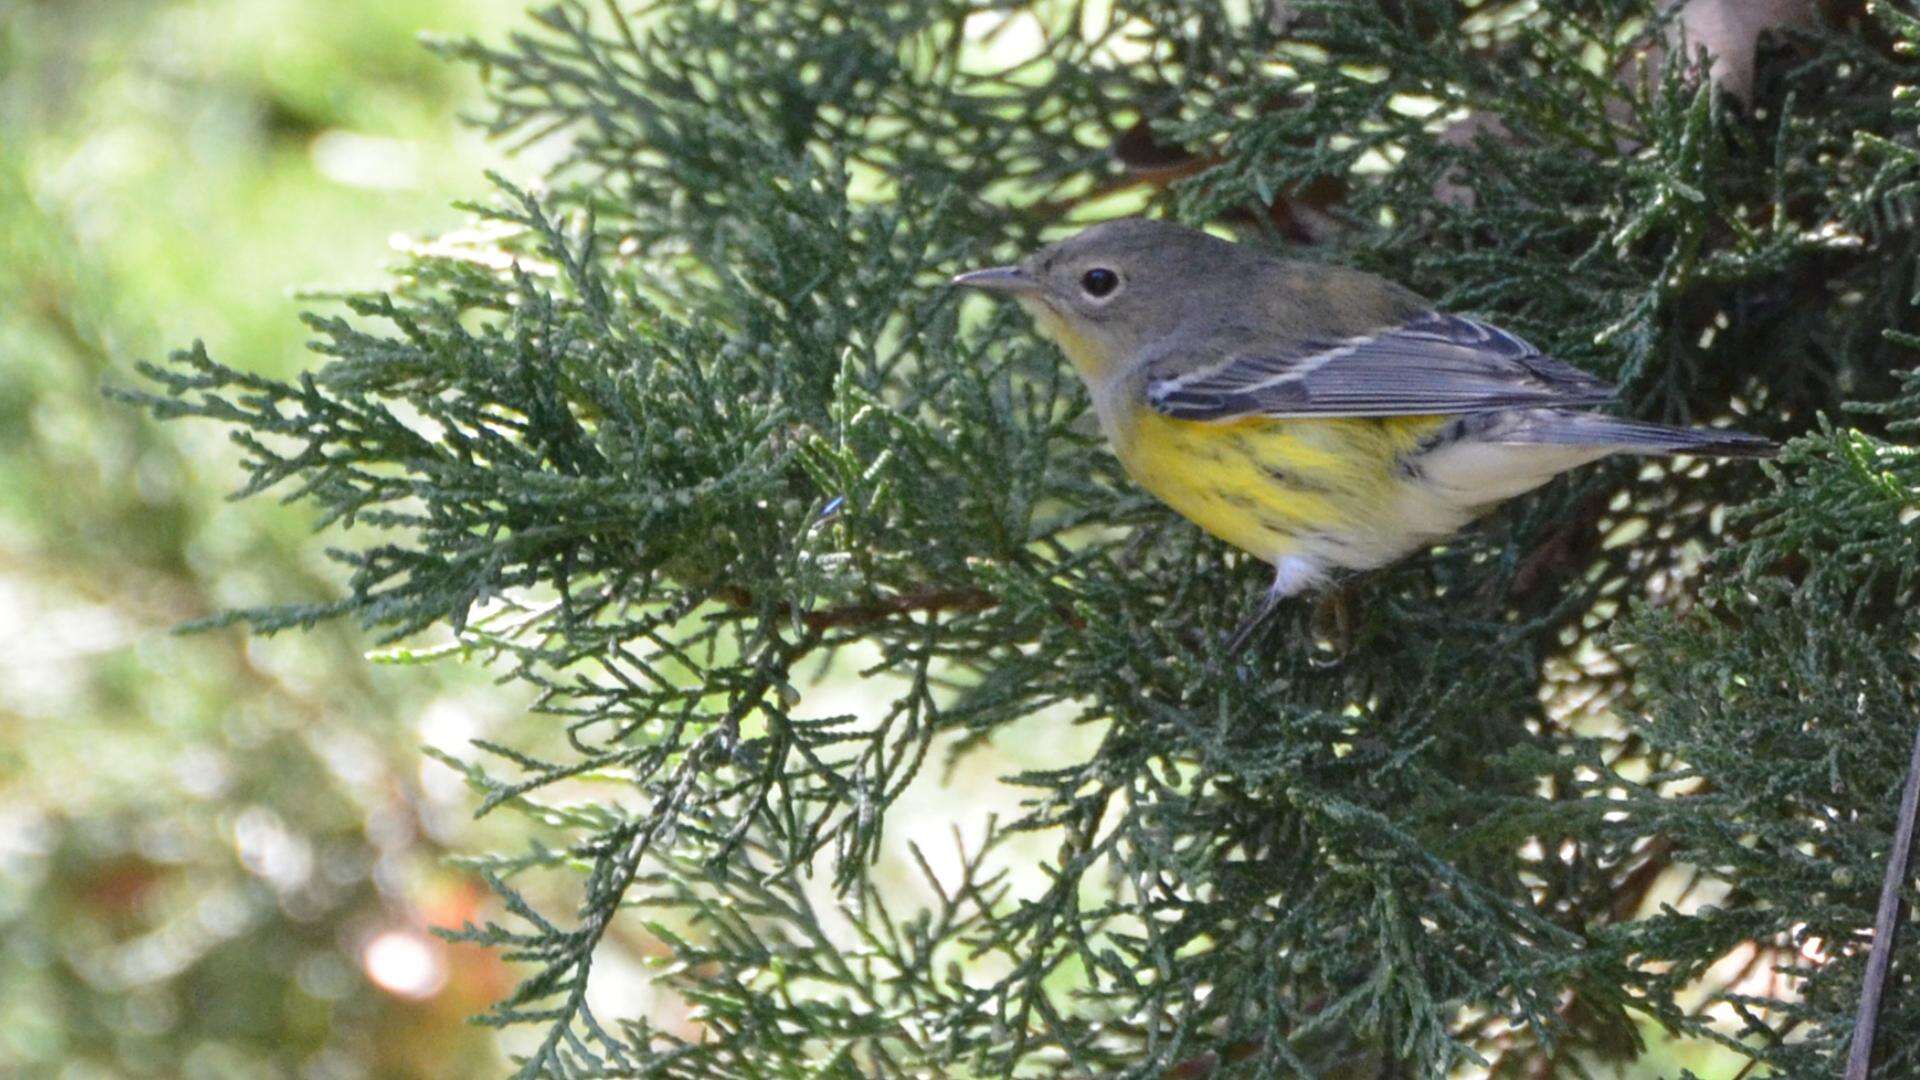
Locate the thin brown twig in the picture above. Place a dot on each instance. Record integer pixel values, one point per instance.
(1886, 923)
(929, 599)
(1635, 884)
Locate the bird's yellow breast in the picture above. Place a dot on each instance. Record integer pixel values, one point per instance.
(1263, 484)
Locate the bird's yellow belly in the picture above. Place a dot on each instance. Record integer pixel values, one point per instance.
(1271, 487)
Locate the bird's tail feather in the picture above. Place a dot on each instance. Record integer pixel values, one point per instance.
(1639, 437)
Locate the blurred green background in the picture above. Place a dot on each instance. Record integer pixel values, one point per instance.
(217, 855)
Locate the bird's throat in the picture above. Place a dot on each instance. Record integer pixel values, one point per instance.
(1087, 354)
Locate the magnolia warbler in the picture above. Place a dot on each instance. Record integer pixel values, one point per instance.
(1315, 416)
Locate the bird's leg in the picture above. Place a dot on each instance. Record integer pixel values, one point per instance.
(1266, 609)
(1252, 623)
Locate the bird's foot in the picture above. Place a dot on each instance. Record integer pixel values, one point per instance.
(1332, 625)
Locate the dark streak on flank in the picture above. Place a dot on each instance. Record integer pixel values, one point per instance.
(1294, 481)
(1460, 430)
(1322, 540)
(1202, 450)
(1277, 526)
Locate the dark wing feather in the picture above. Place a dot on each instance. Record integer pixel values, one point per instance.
(1434, 363)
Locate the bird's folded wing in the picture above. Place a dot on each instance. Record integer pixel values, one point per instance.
(1434, 363)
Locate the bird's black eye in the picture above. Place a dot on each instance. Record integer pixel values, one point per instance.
(1099, 282)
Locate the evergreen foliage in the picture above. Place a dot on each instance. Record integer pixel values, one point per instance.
(696, 416)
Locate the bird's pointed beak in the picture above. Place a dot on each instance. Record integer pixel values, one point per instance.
(1012, 280)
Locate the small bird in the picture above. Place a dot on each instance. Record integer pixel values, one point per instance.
(1314, 416)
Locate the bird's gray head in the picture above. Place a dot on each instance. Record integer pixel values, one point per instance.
(1108, 293)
